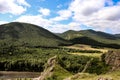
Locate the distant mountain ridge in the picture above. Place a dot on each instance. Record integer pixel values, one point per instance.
(37, 36)
(88, 33)
(30, 34)
(91, 37)
(117, 35)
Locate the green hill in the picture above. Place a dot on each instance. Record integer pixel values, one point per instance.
(91, 37)
(117, 35)
(29, 34)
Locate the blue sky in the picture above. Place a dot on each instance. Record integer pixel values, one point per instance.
(62, 15)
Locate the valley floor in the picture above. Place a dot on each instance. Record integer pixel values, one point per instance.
(72, 60)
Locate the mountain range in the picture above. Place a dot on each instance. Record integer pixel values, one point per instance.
(93, 38)
(37, 36)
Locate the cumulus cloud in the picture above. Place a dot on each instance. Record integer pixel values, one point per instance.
(109, 3)
(63, 15)
(97, 14)
(59, 28)
(86, 7)
(35, 19)
(59, 6)
(109, 13)
(48, 24)
(15, 7)
(44, 11)
(23, 2)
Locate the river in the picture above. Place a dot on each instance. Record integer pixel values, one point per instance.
(11, 74)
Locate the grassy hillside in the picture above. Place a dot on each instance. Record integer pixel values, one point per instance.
(59, 73)
(91, 37)
(29, 34)
(18, 58)
(88, 33)
(117, 35)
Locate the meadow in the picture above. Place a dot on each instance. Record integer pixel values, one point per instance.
(32, 59)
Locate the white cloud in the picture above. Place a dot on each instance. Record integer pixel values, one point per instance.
(59, 28)
(92, 13)
(74, 26)
(48, 24)
(109, 13)
(96, 15)
(15, 7)
(44, 11)
(3, 22)
(23, 2)
(63, 15)
(109, 3)
(37, 20)
(59, 6)
(86, 7)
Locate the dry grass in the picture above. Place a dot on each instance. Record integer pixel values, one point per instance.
(88, 54)
(87, 47)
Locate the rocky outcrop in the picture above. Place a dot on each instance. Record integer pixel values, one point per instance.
(82, 74)
(112, 58)
(48, 69)
(101, 78)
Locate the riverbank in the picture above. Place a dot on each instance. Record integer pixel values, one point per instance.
(15, 74)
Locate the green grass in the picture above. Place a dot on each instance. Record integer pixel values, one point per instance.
(22, 58)
(115, 75)
(59, 73)
(33, 59)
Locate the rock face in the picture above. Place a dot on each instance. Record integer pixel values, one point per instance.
(101, 78)
(48, 69)
(112, 58)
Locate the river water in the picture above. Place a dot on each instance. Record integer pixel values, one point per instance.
(12, 74)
